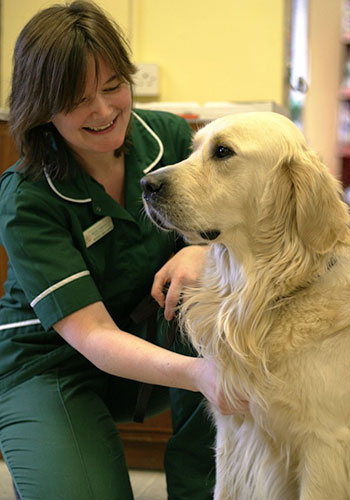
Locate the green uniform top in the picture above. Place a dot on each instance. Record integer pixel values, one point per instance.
(70, 245)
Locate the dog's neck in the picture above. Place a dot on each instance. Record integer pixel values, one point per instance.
(239, 245)
(283, 298)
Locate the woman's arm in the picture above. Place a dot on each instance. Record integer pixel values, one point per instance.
(93, 333)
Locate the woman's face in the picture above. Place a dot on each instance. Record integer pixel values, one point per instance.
(99, 123)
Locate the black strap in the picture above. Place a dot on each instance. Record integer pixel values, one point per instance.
(147, 310)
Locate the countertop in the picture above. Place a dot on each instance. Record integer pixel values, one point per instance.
(4, 114)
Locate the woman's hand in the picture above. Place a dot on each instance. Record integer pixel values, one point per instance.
(184, 268)
(206, 379)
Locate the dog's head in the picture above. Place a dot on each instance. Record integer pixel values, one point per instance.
(245, 169)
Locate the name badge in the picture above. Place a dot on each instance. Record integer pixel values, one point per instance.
(98, 230)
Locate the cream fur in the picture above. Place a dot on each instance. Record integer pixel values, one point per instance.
(273, 305)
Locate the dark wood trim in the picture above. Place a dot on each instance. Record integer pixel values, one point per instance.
(145, 443)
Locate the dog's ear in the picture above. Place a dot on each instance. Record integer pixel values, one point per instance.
(309, 198)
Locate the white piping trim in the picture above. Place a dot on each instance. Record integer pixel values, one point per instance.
(154, 135)
(20, 323)
(61, 283)
(48, 178)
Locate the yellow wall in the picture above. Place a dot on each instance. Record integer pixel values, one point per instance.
(206, 50)
(218, 50)
(15, 13)
(214, 50)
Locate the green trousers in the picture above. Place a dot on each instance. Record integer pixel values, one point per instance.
(60, 441)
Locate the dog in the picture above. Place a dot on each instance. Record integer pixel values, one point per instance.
(273, 304)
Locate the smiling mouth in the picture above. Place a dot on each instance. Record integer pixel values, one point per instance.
(104, 128)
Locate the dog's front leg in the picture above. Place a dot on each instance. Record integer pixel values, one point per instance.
(228, 462)
(325, 469)
(224, 447)
(249, 466)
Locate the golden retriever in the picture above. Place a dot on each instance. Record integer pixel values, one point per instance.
(273, 305)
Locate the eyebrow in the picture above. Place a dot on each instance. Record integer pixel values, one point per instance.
(110, 79)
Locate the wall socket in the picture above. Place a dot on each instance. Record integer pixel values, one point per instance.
(146, 80)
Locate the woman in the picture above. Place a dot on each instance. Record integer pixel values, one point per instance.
(82, 255)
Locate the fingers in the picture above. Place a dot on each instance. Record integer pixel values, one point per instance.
(159, 282)
(166, 291)
(167, 295)
(182, 269)
(172, 300)
(241, 407)
(206, 375)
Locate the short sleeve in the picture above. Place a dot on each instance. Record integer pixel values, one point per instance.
(39, 241)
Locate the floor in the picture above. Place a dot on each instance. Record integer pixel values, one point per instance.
(147, 485)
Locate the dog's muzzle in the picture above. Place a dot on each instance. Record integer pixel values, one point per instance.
(151, 186)
(154, 187)
(153, 194)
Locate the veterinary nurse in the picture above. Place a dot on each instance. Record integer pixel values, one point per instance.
(82, 255)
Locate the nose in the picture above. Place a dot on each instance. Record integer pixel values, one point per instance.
(100, 105)
(151, 184)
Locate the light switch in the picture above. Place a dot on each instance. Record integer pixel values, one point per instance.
(146, 80)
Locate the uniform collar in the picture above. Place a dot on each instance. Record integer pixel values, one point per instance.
(76, 190)
(69, 191)
(155, 148)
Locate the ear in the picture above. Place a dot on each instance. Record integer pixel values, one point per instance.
(310, 197)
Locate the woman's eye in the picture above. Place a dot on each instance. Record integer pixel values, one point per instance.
(79, 103)
(223, 152)
(113, 89)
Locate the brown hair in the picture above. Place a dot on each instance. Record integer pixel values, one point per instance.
(50, 67)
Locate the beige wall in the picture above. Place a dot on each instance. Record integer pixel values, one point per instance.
(223, 50)
(325, 60)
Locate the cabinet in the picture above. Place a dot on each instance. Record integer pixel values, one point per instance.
(144, 443)
(344, 105)
(8, 156)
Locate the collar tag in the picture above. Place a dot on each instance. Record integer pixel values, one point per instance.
(98, 230)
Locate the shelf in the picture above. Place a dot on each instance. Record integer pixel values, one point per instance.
(345, 93)
(344, 150)
(344, 98)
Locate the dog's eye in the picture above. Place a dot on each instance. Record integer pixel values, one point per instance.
(223, 152)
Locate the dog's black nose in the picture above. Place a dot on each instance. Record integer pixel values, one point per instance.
(151, 184)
